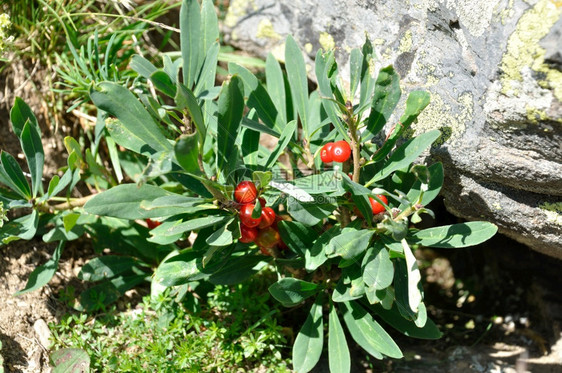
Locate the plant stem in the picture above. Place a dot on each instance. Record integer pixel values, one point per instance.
(77, 202)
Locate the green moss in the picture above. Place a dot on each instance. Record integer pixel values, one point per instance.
(553, 212)
(326, 41)
(266, 30)
(523, 49)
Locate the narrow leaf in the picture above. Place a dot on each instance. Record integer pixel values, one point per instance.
(291, 291)
(386, 97)
(310, 340)
(12, 175)
(20, 114)
(338, 352)
(190, 34)
(296, 73)
(43, 274)
(284, 140)
(230, 110)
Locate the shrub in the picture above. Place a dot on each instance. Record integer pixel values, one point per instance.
(190, 145)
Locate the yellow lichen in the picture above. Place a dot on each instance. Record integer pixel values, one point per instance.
(236, 10)
(524, 50)
(406, 42)
(379, 41)
(326, 41)
(438, 115)
(308, 47)
(535, 115)
(553, 212)
(266, 30)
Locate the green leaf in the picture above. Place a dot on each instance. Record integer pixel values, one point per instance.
(350, 286)
(258, 97)
(338, 352)
(378, 270)
(406, 154)
(190, 35)
(355, 64)
(386, 97)
(12, 175)
(291, 291)
(20, 114)
(407, 327)
(185, 99)
(142, 66)
(323, 65)
(33, 150)
(124, 201)
(310, 213)
(276, 85)
(414, 278)
(127, 139)
(206, 80)
(222, 236)
(70, 360)
(105, 267)
(433, 188)
(368, 333)
(316, 256)
(292, 190)
(237, 269)
(121, 103)
(163, 83)
(230, 110)
(296, 73)
(310, 340)
(286, 136)
(360, 196)
(256, 126)
(186, 152)
(325, 182)
(209, 26)
(455, 236)
(350, 244)
(175, 204)
(262, 178)
(190, 225)
(415, 103)
(44, 273)
(114, 158)
(367, 80)
(296, 235)
(23, 228)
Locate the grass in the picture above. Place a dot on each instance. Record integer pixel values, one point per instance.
(235, 330)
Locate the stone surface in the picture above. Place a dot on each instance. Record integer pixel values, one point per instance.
(493, 68)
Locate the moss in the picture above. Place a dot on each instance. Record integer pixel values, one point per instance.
(523, 49)
(406, 42)
(439, 115)
(326, 41)
(553, 212)
(266, 30)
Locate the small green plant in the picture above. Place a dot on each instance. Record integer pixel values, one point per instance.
(342, 237)
(162, 334)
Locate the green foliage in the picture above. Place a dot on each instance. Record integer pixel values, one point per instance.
(179, 145)
(162, 333)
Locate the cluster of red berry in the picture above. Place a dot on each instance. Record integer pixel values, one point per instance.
(263, 230)
(338, 151)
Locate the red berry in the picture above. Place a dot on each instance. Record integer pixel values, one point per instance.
(245, 192)
(326, 153)
(268, 237)
(377, 207)
(267, 217)
(341, 151)
(152, 223)
(262, 201)
(247, 235)
(246, 216)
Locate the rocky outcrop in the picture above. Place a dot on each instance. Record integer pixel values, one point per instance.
(494, 69)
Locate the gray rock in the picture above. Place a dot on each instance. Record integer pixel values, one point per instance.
(493, 70)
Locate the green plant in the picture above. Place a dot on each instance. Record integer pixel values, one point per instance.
(161, 333)
(193, 143)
